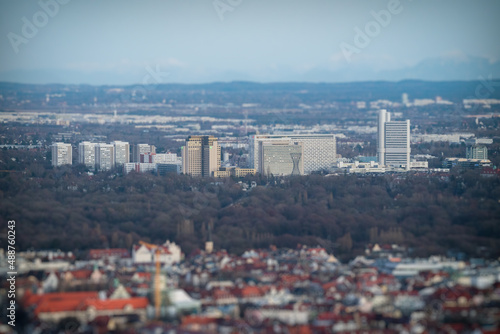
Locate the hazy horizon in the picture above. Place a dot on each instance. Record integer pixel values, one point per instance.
(126, 42)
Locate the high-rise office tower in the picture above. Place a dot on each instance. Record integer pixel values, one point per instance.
(393, 142)
(61, 154)
(86, 154)
(319, 150)
(104, 156)
(139, 149)
(201, 156)
(281, 157)
(122, 152)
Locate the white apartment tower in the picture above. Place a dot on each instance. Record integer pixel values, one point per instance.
(122, 152)
(86, 154)
(104, 156)
(319, 150)
(393, 142)
(61, 154)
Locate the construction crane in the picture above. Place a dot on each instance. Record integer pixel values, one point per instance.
(157, 288)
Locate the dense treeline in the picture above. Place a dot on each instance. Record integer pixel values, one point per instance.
(68, 209)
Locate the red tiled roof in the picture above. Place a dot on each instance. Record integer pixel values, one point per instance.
(72, 301)
(61, 301)
(248, 291)
(117, 304)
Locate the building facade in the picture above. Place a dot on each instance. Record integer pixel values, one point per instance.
(234, 172)
(319, 150)
(62, 154)
(476, 152)
(122, 152)
(281, 157)
(86, 154)
(170, 167)
(393, 141)
(168, 253)
(139, 167)
(201, 156)
(104, 157)
(139, 149)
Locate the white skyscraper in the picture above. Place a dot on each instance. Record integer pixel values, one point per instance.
(104, 156)
(393, 144)
(319, 150)
(122, 152)
(86, 154)
(61, 154)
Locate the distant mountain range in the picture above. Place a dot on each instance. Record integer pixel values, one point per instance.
(435, 69)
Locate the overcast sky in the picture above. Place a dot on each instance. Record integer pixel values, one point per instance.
(200, 40)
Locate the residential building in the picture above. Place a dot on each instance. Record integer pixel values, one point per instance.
(62, 154)
(122, 152)
(281, 157)
(84, 307)
(139, 149)
(393, 144)
(139, 167)
(104, 156)
(168, 253)
(319, 150)
(201, 156)
(233, 171)
(147, 158)
(86, 154)
(166, 158)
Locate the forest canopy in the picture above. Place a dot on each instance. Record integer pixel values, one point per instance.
(67, 209)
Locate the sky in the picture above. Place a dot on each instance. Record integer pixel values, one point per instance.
(197, 41)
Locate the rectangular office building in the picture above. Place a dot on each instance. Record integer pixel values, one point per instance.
(201, 156)
(393, 144)
(122, 152)
(104, 156)
(281, 158)
(319, 150)
(86, 154)
(62, 154)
